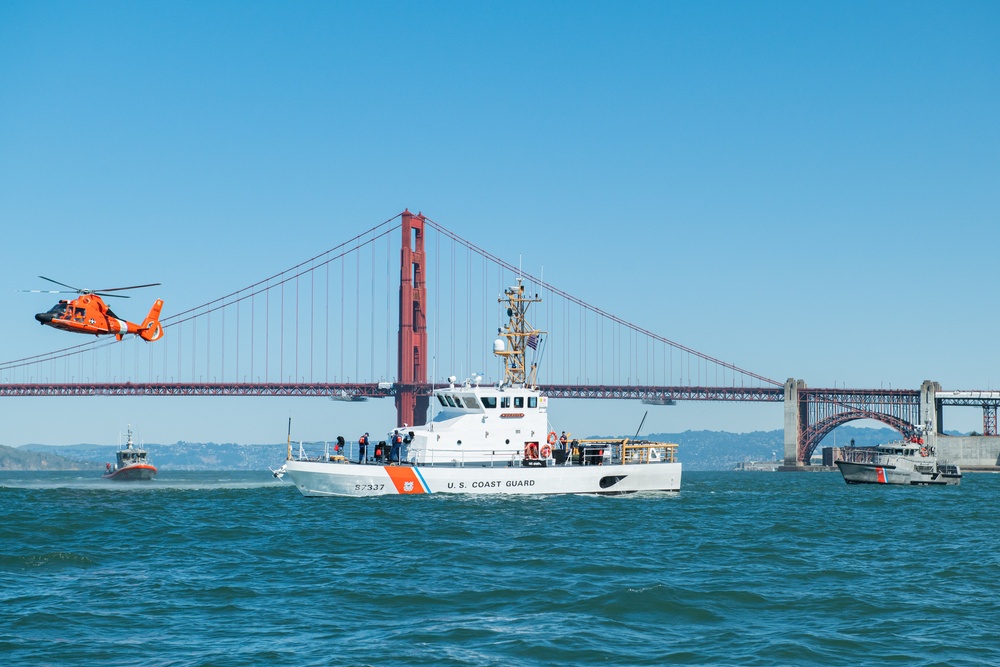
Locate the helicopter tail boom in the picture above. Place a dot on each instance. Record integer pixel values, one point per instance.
(151, 329)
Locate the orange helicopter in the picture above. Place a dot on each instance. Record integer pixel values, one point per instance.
(88, 314)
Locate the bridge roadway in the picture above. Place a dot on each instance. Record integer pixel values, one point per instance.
(652, 394)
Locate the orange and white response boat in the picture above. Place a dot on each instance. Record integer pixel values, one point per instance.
(133, 463)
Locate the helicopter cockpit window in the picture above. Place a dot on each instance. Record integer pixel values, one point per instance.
(79, 314)
(57, 309)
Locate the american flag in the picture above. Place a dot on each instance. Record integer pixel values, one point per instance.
(533, 341)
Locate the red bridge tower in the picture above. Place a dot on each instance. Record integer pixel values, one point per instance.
(410, 408)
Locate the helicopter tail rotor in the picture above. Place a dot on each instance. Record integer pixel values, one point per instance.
(151, 329)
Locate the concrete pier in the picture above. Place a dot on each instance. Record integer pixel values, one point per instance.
(792, 420)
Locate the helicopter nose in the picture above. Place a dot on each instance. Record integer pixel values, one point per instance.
(44, 318)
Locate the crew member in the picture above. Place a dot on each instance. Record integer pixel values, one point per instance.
(562, 441)
(362, 447)
(397, 443)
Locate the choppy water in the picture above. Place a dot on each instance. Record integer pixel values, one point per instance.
(234, 569)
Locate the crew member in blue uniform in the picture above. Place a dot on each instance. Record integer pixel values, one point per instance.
(397, 443)
(363, 447)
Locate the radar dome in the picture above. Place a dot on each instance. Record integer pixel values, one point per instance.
(499, 345)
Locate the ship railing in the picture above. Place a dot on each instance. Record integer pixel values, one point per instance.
(323, 450)
(858, 454)
(326, 451)
(482, 458)
(628, 451)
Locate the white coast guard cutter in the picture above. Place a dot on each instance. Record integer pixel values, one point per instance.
(495, 440)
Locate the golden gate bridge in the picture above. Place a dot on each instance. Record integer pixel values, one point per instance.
(392, 310)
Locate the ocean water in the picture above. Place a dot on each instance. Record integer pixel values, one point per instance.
(229, 569)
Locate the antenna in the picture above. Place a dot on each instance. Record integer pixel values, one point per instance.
(517, 335)
(640, 425)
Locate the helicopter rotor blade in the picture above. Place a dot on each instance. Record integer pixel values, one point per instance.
(118, 289)
(49, 291)
(75, 289)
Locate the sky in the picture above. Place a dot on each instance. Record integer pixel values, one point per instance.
(806, 190)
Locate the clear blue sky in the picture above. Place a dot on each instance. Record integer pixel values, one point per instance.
(813, 188)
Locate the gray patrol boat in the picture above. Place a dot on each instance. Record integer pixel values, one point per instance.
(910, 462)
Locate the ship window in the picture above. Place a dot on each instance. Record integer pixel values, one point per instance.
(519, 401)
(458, 402)
(441, 400)
(532, 401)
(505, 402)
(450, 402)
(489, 401)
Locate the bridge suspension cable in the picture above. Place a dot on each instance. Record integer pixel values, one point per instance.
(598, 311)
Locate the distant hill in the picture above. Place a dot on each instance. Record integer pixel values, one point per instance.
(19, 459)
(699, 450)
(179, 456)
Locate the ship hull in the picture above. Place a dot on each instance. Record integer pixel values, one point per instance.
(133, 473)
(872, 473)
(350, 479)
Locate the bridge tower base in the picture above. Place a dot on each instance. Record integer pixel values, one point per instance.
(794, 419)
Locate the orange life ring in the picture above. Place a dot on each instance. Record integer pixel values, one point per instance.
(546, 452)
(923, 451)
(552, 437)
(531, 450)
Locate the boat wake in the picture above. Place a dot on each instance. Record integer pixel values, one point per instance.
(166, 481)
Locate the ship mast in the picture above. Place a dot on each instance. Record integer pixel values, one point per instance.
(516, 336)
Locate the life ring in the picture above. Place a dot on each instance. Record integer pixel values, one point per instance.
(531, 450)
(546, 452)
(552, 437)
(923, 451)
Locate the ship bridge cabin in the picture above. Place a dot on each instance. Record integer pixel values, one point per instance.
(454, 402)
(480, 425)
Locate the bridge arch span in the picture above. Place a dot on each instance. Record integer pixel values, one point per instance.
(814, 434)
